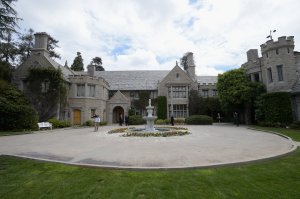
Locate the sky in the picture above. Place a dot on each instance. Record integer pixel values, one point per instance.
(154, 34)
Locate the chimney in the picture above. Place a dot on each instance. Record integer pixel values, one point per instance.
(41, 43)
(190, 65)
(91, 70)
(252, 54)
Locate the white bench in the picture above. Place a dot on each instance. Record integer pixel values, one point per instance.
(45, 125)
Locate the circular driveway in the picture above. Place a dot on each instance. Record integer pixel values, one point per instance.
(213, 145)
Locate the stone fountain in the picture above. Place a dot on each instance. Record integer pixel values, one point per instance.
(150, 118)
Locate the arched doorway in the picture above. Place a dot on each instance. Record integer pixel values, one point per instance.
(117, 111)
(77, 117)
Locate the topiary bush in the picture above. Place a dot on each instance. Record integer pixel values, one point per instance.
(199, 119)
(136, 120)
(59, 123)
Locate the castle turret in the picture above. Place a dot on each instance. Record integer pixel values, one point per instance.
(252, 55)
(279, 64)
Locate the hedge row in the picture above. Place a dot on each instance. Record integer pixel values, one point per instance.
(199, 119)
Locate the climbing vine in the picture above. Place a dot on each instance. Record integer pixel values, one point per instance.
(46, 90)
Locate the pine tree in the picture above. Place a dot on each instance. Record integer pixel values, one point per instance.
(25, 45)
(77, 63)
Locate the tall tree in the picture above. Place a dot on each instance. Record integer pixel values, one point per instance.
(52, 44)
(8, 18)
(237, 92)
(77, 63)
(97, 62)
(8, 49)
(25, 45)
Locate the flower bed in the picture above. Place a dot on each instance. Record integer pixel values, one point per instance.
(163, 132)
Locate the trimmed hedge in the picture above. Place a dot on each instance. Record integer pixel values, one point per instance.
(136, 120)
(199, 119)
(161, 107)
(275, 108)
(59, 123)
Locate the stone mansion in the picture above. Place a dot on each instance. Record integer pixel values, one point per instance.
(111, 93)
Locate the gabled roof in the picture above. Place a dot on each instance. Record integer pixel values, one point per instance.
(207, 80)
(183, 77)
(118, 97)
(133, 80)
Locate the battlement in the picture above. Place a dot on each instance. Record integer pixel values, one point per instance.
(282, 42)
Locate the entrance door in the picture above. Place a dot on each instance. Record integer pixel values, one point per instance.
(77, 117)
(116, 114)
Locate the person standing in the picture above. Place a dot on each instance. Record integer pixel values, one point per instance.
(172, 120)
(236, 118)
(120, 120)
(97, 122)
(126, 120)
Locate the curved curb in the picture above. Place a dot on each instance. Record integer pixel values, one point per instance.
(224, 164)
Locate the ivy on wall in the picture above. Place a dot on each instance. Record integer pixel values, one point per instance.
(46, 90)
(274, 108)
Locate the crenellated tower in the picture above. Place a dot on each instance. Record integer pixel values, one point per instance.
(279, 64)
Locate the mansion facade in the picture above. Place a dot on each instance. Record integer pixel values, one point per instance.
(111, 93)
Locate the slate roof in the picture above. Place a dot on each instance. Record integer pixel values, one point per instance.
(133, 80)
(207, 80)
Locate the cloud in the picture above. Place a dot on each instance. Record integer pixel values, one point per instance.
(142, 34)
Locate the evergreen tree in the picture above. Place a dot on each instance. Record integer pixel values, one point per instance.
(25, 45)
(8, 18)
(52, 44)
(8, 49)
(77, 63)
(97, 62)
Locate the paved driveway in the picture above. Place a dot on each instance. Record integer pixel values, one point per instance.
(206, 146)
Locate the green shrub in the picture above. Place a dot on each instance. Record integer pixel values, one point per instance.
(167, 121)
(88, 123)
(136, 119)
(59, 123)
(159, 121)
(131, 112)
(15, 111)
(199, 119)
(274, 109)
(295, 125)
(103, 123)
(179, 120)
(161, 107)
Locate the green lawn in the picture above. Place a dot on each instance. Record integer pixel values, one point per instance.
(292, 133)
(20, 178)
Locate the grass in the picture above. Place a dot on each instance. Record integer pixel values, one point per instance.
(292, 133)
(21, 178)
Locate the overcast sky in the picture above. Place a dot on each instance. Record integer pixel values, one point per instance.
(153, 34)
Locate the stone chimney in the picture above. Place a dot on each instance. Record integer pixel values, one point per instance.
(252, 54)
(91, 70)
(190, 65)
(41, 43)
